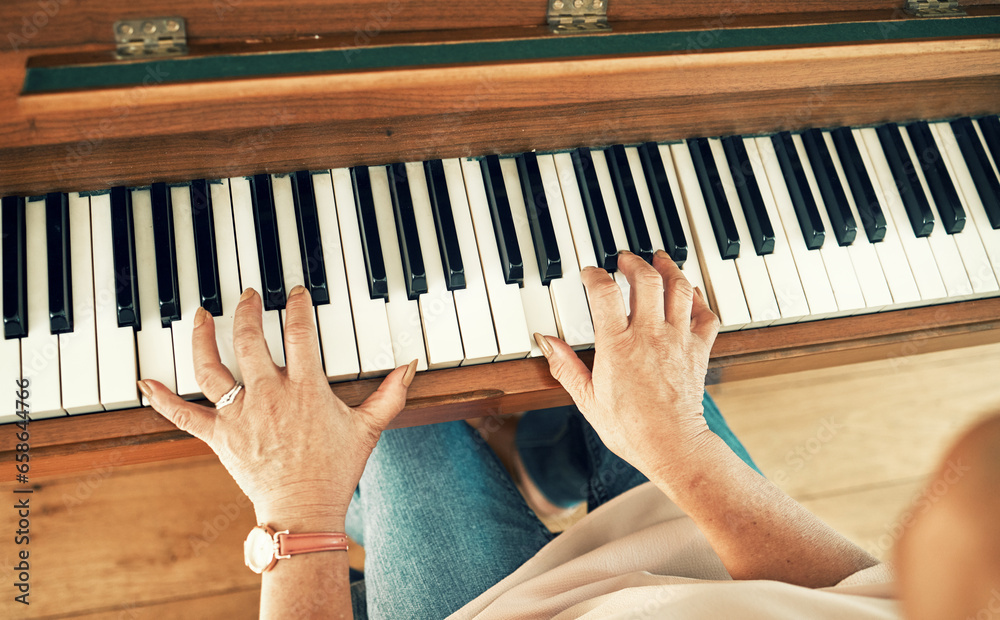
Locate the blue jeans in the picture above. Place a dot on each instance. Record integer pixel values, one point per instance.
(442, 521)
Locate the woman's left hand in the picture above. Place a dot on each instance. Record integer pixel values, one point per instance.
(294, 448)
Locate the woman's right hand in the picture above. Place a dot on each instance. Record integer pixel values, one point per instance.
(644, 396)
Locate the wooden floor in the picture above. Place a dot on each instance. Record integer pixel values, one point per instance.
(164, 540)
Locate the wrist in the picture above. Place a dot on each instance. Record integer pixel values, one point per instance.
(303, 521)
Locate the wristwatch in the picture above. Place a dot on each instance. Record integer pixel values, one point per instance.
(264, 546)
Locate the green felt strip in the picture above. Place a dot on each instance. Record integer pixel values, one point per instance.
(228, 66)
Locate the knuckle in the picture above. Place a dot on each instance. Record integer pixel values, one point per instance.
(298, 332)
(649, 279)
(243, 342)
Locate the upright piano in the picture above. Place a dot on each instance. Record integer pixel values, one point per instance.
(437, 174)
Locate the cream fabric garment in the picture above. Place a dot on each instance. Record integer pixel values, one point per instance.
(640, 556)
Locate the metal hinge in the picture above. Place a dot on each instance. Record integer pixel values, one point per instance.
(153, 36)
(933, 8)
(578, 16)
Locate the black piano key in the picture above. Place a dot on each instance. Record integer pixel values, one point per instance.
(543, 236)
(628, 203)
(268, 250)
(15, 266)
(444, 222)
(59, 268)
(593, 207)
(904, 174)
(166, 254)
(931, 162)
(123, 256)
(371, 244)
(754, 210)
(667, 217)
(986, 181)
(990, 126)
(845, 229)
(865, 198)
(726, 235)
(406, 231)
(310, 244)
(806, 211)
(503, 222)
(205, 254)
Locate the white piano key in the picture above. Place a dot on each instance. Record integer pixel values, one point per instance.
(246, 251)
(535, 298)
(117, 366)
(288, 234)
(402, 312)
(614, 215)
(867, 267)
(569, 298)
(371, 324)
(585, 255)
(839, 268)
(723, 287)
(229, 272)
(511, 337)
(949, 261)
(335, 321)
(40, 348)
(438, 316)
(872, 278)
(472, 304)
(984, 274)
(153, 342)
(989, 154)
(970, 245)
(78, 349)
(10, 365)
(808, 263)
(190, 297)
(757, 291)
(891, 256)
(780, 263)
(918, 252)
(692, 265)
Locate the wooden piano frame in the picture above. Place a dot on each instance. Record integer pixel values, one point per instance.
(99, 137)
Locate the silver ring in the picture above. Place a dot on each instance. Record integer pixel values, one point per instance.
(230, 396)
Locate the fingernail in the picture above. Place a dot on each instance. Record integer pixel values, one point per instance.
(411, 371)
(700, 294)
(661, 254)
(247, 294)
(543, 344)
(298, 289)
(200, 315)
(144, 388)
(624, 252)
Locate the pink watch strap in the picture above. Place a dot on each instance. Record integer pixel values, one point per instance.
(294, 544)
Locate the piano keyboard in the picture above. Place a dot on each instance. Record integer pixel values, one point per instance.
(458, 262)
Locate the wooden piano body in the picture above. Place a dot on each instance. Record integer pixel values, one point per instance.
(373, 82)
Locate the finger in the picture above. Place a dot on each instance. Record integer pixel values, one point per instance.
(301, 340)
(212, 376)
(646, 296)
(189, 417)
(606, 304)
(704, 323)
(678, 293)
(251, 349)
(568, 369)
(390, 397)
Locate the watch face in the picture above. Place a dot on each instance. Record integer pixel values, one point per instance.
(258, 550)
